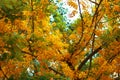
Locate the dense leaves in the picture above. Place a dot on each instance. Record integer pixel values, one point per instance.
(38, 41)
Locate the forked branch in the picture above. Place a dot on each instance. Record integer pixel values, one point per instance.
(88, 57)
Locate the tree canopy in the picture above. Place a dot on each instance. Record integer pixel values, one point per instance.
(38, 42)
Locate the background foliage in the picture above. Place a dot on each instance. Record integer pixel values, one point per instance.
(38, 42)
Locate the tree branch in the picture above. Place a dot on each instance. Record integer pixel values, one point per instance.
(99, 48)
(96, 13)
(3, 73)
(94, 2)
(88, 57)
(67, 61)
(90, 64)
(29, 54)
(57, 72)
(32, 17)
(93, 19)
(82, 22)
(108, 61)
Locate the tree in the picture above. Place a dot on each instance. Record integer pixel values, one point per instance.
(33, 46)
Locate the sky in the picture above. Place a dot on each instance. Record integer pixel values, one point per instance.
(70, 9)
(83, 3)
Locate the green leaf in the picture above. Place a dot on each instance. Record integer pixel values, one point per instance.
(57, 19)
(11, 78)
(4, 56)
(36, 64)
(43, 78)
(12, 54)
(16, 53)
(9, 6)
(67, 78)
(24, 76)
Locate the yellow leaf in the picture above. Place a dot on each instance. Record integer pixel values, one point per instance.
(73, 36)
(72, 4)
(116, 8)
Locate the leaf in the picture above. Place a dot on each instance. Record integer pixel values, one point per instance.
(43, 78)
(11, 78)
(4, 56)
(9, 6)
(72, 4)
(36, 64)
(73, 13)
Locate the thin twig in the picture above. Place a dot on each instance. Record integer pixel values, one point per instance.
(91, 57)
(94, 2)
(57, 72)
(29, 54)
(93, 19)
(32, 17)
(82, 22)
(67, 61)
(3, 73)
(108, 62)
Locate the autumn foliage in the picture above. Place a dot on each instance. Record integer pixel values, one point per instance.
(34, 47)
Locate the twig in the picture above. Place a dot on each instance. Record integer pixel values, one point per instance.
(80, 12)
(96, 12)
(3, 73)
(29, 54)
(94, 2)
(67, 61)
(32, 17)
(91, 57)
(99, 48)
(82, 23)
(108, 61)
(57, 72)
(88, 57)
(93, 19)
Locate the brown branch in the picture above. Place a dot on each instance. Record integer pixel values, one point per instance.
(29, 54)
(32, 17)
(82, 22)
(95, 26)
(3, 73)
(67, 61)
(57, 72)
(29, 50)
(96, 13)
(88, 57)
(113, 57)
(94, 2)
(59, 51)
(70, 64)
(91, 57)
(108, 61)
